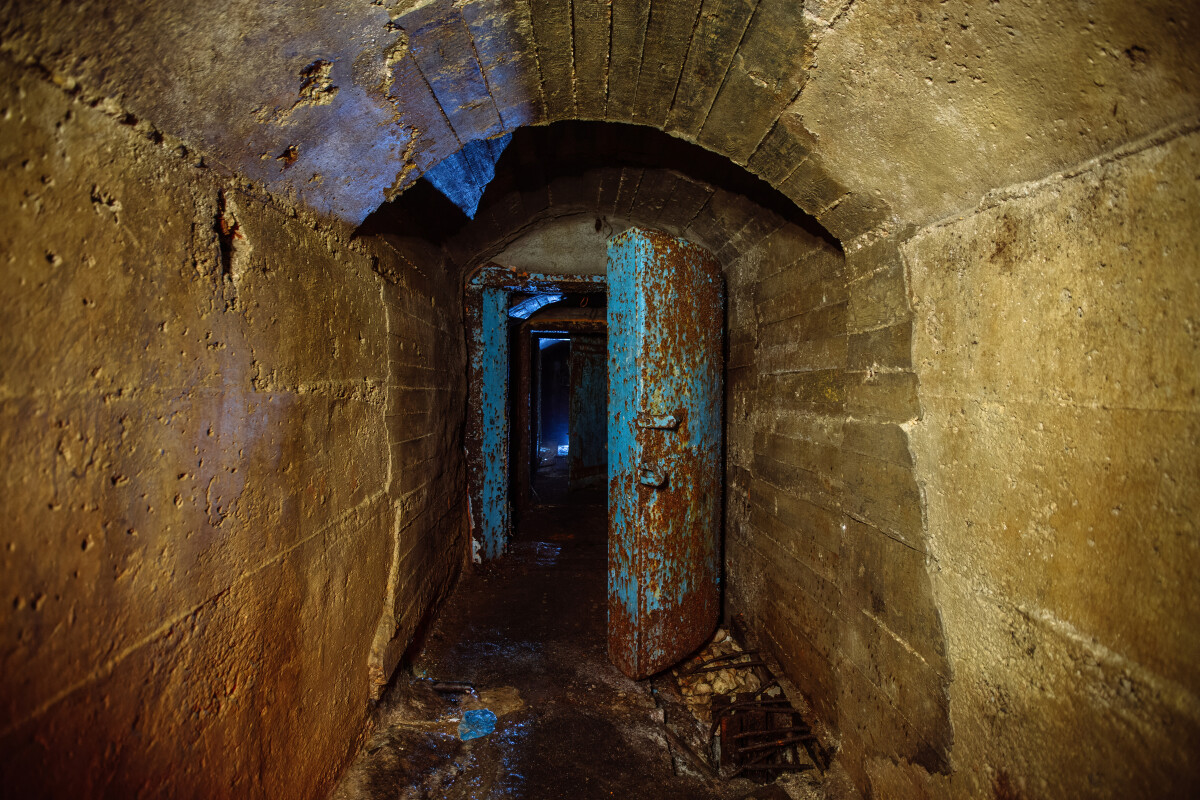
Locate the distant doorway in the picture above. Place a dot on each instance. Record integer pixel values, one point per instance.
(568, 418)
(506, 312)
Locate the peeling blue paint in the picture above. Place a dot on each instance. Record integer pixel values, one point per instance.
(626, 323)
(505, 278)
(489, 381)
(523, 309)
(665, 322)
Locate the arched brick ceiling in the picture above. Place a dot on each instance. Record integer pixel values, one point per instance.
(859, 111)
(629, 173)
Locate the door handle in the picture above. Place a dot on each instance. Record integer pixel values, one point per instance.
(649, 476)
(666, 422)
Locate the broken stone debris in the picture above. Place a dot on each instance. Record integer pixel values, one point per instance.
(743, 724)
(721, 668)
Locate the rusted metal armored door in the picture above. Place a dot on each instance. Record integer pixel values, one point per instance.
(665, 328)
(587, 459)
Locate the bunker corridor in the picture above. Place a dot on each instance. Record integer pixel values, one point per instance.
(244, 255)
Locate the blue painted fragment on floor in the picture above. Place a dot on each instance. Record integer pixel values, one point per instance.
(476, 723)
(464, 176)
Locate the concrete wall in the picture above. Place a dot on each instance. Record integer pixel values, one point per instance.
(218, 420)
(426, 410)
(963, 462)
(572, 245)
(900, 531)
(826, 549)
(1059, 452)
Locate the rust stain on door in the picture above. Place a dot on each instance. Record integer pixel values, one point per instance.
(665, 323)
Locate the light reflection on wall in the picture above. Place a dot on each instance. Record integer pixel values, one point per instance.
(464, 176)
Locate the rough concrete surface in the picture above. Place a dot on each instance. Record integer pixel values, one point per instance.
(1061, 473)
(961, 436)
(199, 486)
(933, 105)
(574, 245)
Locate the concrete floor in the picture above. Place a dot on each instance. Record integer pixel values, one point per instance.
(550, 487)
(529, 633)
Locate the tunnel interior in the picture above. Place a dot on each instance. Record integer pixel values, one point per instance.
(960, 415)
(554, 399)
(564, 413)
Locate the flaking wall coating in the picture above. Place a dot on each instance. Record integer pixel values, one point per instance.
(488, 419)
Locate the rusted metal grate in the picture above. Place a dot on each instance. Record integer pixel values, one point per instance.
(728, 715)
(761, 736)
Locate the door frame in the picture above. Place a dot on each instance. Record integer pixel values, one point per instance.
(525, 373)
(489, 397)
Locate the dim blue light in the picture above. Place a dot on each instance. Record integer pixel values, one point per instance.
(523, 309)
(464, 176)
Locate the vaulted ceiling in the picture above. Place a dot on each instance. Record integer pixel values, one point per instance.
(860, 112)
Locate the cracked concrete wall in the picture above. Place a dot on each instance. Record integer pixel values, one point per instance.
(826, 544)
(963, 464)
(359, 98)
(203, 406)
(860, 111)
(426, 413)
(962, 477)
(1059, 452)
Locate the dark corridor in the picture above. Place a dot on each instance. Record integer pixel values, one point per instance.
(567, 464)
(247, 251)
(527, 635)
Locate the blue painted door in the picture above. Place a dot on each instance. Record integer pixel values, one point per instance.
(587, 459)
(665, 342)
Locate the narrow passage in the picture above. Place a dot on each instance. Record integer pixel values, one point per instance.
(528, 632)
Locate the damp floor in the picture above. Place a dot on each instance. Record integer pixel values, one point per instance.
(528, 633)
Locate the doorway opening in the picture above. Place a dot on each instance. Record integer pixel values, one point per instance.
(664, 319)
(550, 407)
(507, 312)
(560, 411)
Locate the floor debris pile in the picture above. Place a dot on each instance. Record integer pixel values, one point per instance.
(721, 669)
(727, 717)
